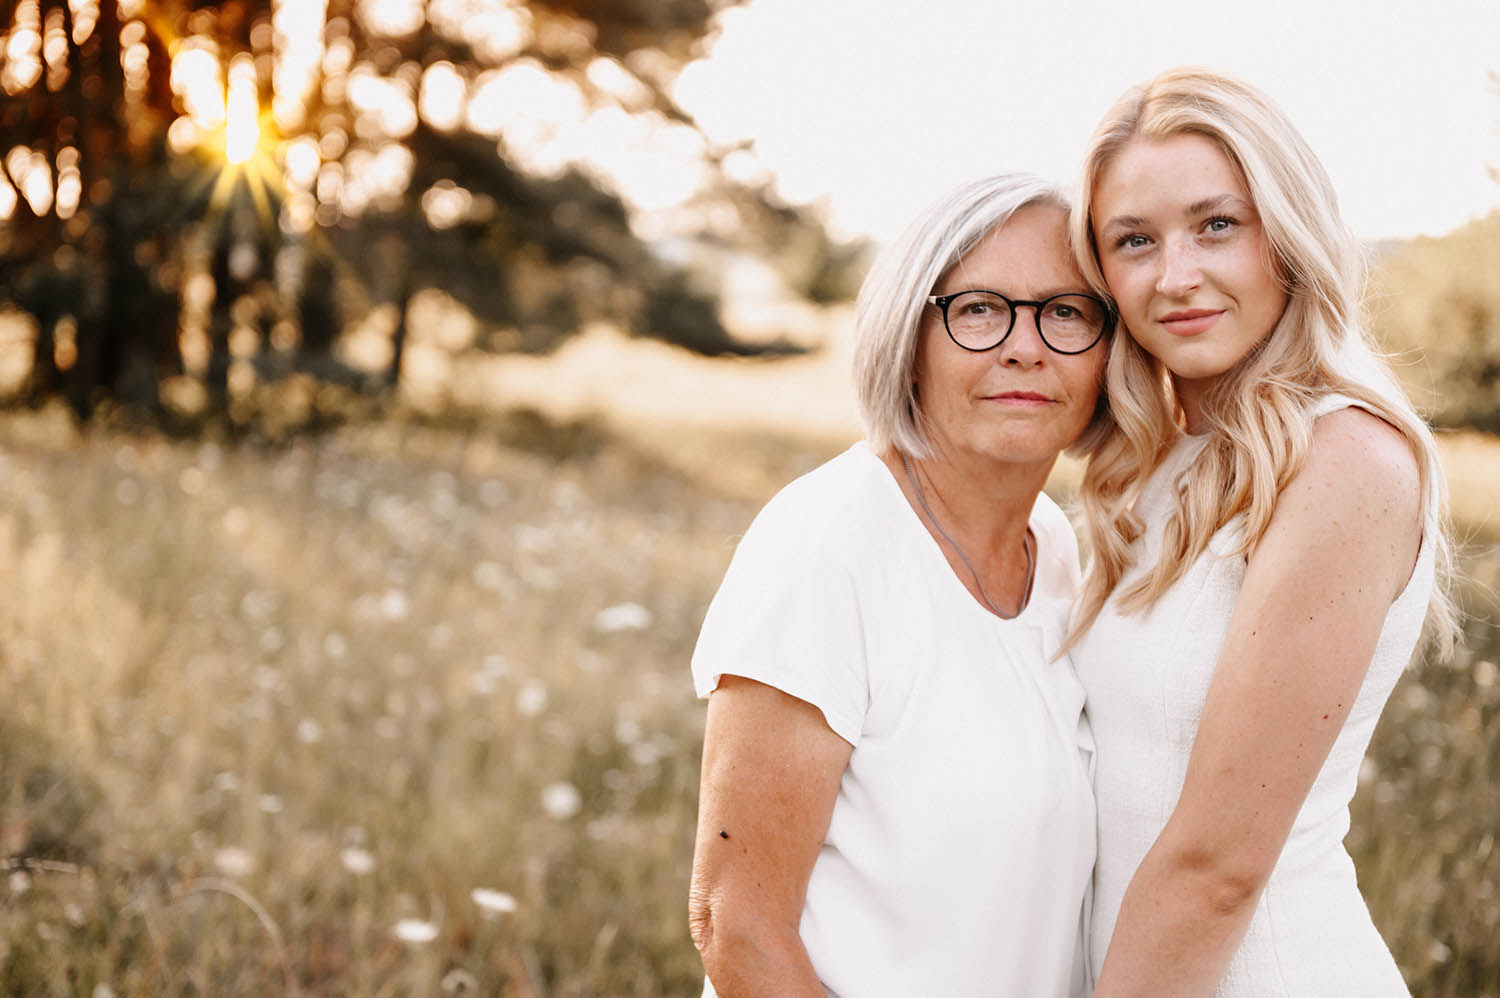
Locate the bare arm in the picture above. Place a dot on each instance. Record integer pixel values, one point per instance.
(1339, 548)
(771, 772)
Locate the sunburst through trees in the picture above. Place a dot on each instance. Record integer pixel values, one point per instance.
(199, 200)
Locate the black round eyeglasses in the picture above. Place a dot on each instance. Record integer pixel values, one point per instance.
(981, 320)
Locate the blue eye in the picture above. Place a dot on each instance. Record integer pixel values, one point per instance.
(1132, 241)
(1220, 223)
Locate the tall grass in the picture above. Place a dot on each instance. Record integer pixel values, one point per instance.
(405, 711)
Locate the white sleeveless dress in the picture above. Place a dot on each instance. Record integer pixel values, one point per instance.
(1147, 678)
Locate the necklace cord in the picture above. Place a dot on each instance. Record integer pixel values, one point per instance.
(1025, 547)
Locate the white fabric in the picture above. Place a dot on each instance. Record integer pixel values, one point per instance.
(1147, 678)
(961, 841)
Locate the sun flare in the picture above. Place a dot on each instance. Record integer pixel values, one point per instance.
(242, 114)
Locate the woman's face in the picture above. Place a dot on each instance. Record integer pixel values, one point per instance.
(1019, 402)
(1183, 251)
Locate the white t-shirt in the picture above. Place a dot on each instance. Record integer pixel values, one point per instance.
(961, 843)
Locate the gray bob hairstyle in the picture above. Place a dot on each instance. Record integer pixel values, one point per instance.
(888, 312)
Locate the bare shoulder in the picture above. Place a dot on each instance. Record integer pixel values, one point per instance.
(1355, 451)
(1354, 509)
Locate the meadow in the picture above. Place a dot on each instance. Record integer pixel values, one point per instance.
(403, 710)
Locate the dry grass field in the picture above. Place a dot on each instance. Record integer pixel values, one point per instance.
(404, 710)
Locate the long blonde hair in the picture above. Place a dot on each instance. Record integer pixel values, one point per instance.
(1258, 413)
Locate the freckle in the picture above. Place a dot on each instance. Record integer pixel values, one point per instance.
(1325, 717)
(724, 835)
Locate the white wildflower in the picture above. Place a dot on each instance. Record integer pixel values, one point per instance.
(531, 699)
(415, 931)
(1416, 698)
(191, 481)
(540, 577)
(272, 640)
(459, 982)
(533, 539)
(236, 521)
(645, 753)
(490, 576)
(257, 605)
(357, 861)
(335, 645)
(561, 800)
(493, 902)
(232, 861)
(309, 731)
(603, 829)
(622, 617)
(394, 605)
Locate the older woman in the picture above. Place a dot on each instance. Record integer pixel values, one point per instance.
(1266, 518)
(894, 800)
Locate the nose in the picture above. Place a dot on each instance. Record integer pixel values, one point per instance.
(1024, 346)
(1180, 273)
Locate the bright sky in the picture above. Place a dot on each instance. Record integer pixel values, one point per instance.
(881, 106)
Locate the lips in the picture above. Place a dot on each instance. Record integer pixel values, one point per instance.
(1020, 398)
(1190, 321)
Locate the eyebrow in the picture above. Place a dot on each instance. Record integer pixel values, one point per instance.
(1123, 222)
(1205, 205)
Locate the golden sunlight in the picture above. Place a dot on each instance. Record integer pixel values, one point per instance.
(196, 81)
(242, 109)
(8, 198)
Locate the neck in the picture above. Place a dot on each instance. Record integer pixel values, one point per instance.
(1190, 396)
(984, 505)
(978, 516)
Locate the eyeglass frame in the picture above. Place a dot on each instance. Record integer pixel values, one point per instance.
(943, 301)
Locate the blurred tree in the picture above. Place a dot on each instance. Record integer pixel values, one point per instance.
(1436, 306)
(197, 200)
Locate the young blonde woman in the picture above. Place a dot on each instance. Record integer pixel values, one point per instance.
(1267, 526)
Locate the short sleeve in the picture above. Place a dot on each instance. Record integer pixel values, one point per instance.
(789, 614)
